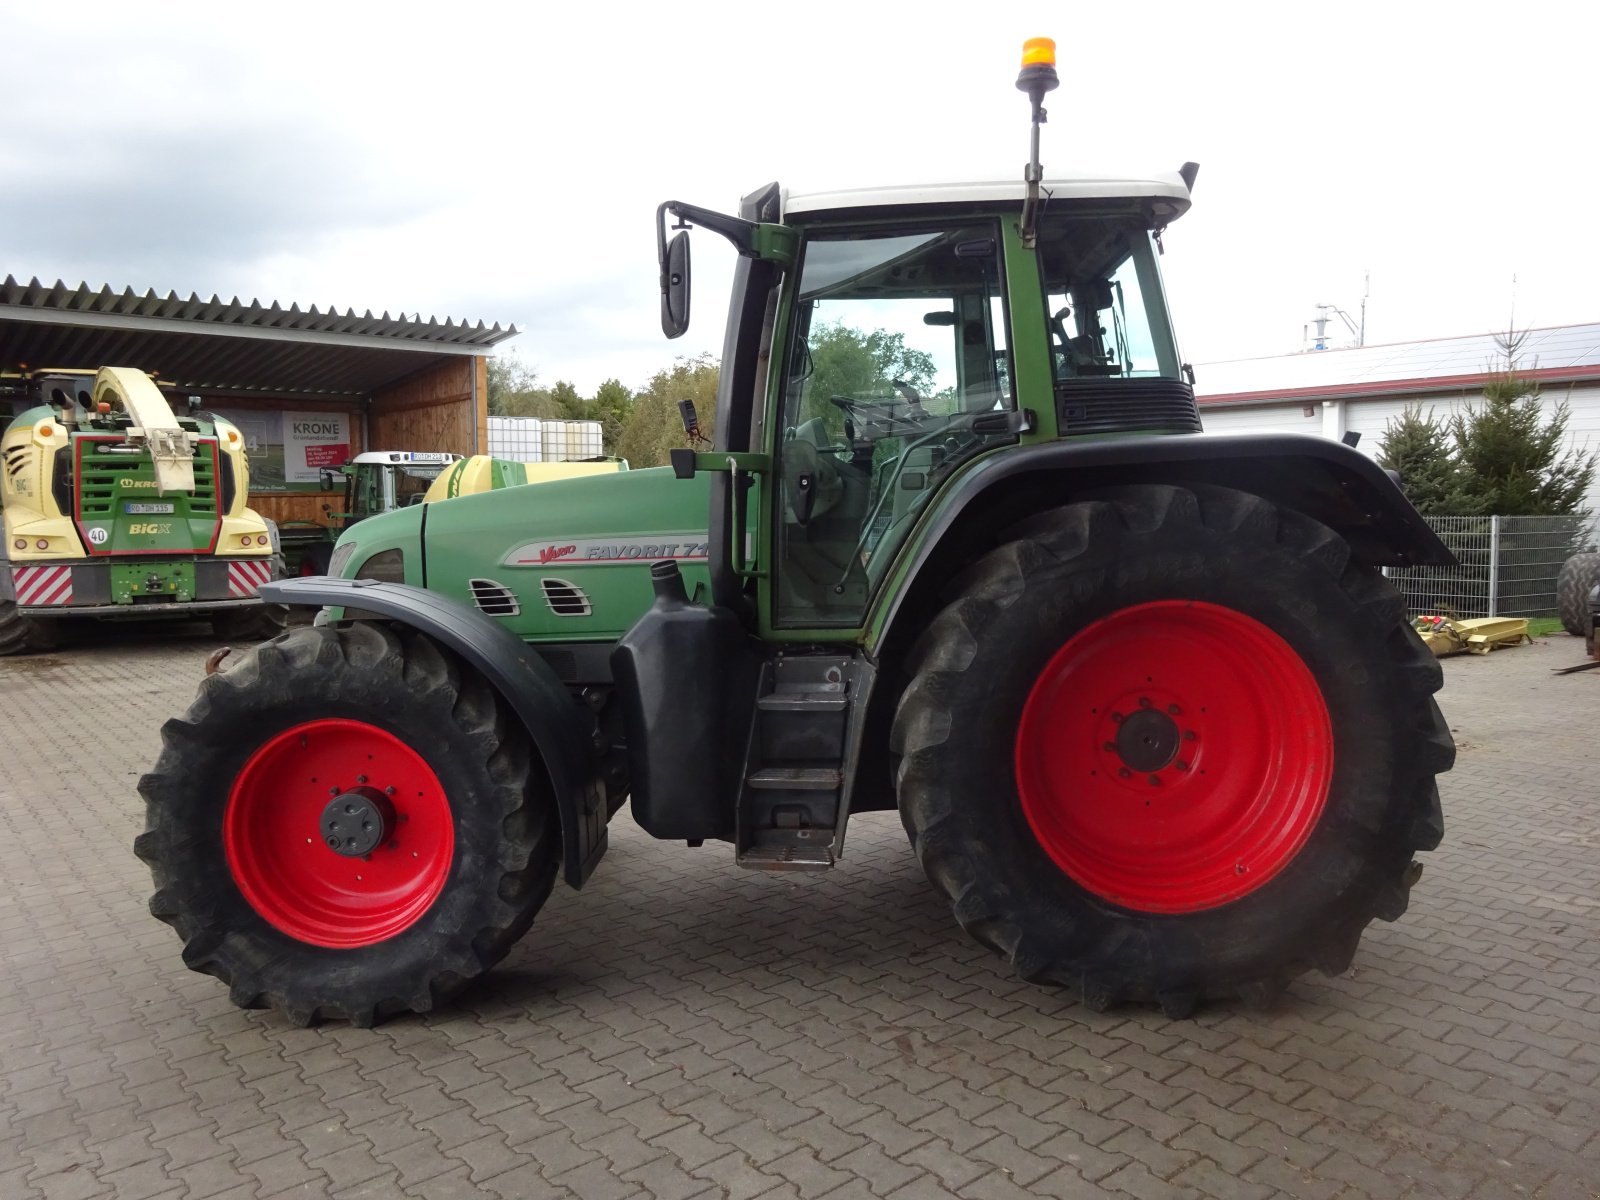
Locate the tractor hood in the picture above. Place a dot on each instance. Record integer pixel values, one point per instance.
(568, 559)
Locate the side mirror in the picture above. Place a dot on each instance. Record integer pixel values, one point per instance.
(675, 286)
(325, 479)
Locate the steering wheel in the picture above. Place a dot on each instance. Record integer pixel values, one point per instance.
(884, 415)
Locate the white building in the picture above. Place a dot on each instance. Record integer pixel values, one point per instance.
(1332, 392)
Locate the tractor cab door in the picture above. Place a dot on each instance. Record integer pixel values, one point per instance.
(897, 373)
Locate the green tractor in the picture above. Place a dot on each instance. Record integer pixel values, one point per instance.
(1155, 722)
(375, 481)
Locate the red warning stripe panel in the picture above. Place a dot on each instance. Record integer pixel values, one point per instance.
(246, 576)
(43, 585)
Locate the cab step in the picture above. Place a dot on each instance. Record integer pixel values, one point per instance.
(789, 857)
(797, 779)
(793, 805)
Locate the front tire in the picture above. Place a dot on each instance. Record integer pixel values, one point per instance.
(23, 635)
(1171, 745)
(354, 718)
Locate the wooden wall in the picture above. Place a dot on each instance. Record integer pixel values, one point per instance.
(444, 407)
(284, 507)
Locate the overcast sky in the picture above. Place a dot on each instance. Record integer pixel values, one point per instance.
(503, 162)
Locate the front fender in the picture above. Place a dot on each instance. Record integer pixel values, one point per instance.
(523, 679)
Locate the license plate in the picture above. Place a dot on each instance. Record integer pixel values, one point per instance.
(140, 510)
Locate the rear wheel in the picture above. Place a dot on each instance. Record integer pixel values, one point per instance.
(1171, 745)
(347, 824)
(1579, 576)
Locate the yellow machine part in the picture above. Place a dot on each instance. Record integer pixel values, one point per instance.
(31, 517)
(481, 473)
(1446, 635)
(170, 447)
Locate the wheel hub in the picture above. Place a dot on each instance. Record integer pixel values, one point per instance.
(355, 789)
(357, 822)
(1174, 756)
(1147, 740)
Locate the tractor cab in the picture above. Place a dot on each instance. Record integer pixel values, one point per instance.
(378, 481)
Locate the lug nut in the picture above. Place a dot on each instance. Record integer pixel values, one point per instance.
(1173, 710)
(1123, 772)
(1155, 780)
(1181, 765)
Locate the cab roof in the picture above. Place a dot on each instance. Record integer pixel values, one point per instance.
(415, 457)
(1167, 190)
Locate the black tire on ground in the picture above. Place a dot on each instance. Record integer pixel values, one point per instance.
(495, 878)
(1578, 577)
(23, 635)
(973, 670)
(257, 623)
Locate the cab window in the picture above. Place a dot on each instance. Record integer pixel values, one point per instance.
(1103, 302)
(897, 344)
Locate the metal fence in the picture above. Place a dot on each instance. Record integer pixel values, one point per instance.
(1508, 565)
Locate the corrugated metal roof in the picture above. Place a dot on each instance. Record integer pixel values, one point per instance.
(69, 301)
(1562, 352)
(226, 348)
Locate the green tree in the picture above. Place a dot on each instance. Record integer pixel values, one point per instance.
(568, 404)
(653, 426)
(511, 382)
(611, 406)
(848, 362)
(514, 391)
(1510, 454)
(1419, 447)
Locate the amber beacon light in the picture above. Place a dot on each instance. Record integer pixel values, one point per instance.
(1037, 77)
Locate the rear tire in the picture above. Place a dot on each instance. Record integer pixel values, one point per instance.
(23, 635)
(1042, 826)
(1579, 576)
(235, 841)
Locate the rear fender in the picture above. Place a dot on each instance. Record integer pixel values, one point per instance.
(1324, 479)
(523, 679)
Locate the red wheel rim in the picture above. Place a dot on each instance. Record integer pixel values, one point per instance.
(272, 834)
(1174, 756)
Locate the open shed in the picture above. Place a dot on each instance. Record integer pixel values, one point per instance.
(308, 388)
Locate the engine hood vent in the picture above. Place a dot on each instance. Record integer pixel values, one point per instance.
(493, 598)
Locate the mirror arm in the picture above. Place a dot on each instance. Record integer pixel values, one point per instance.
(751, 239)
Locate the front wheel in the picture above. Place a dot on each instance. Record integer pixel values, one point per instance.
(1169, 745)
(347, 823)
(23, 635)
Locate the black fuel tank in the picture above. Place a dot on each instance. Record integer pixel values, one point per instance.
(685, 677)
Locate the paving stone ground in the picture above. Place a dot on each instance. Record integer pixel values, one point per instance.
(684, 1029)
